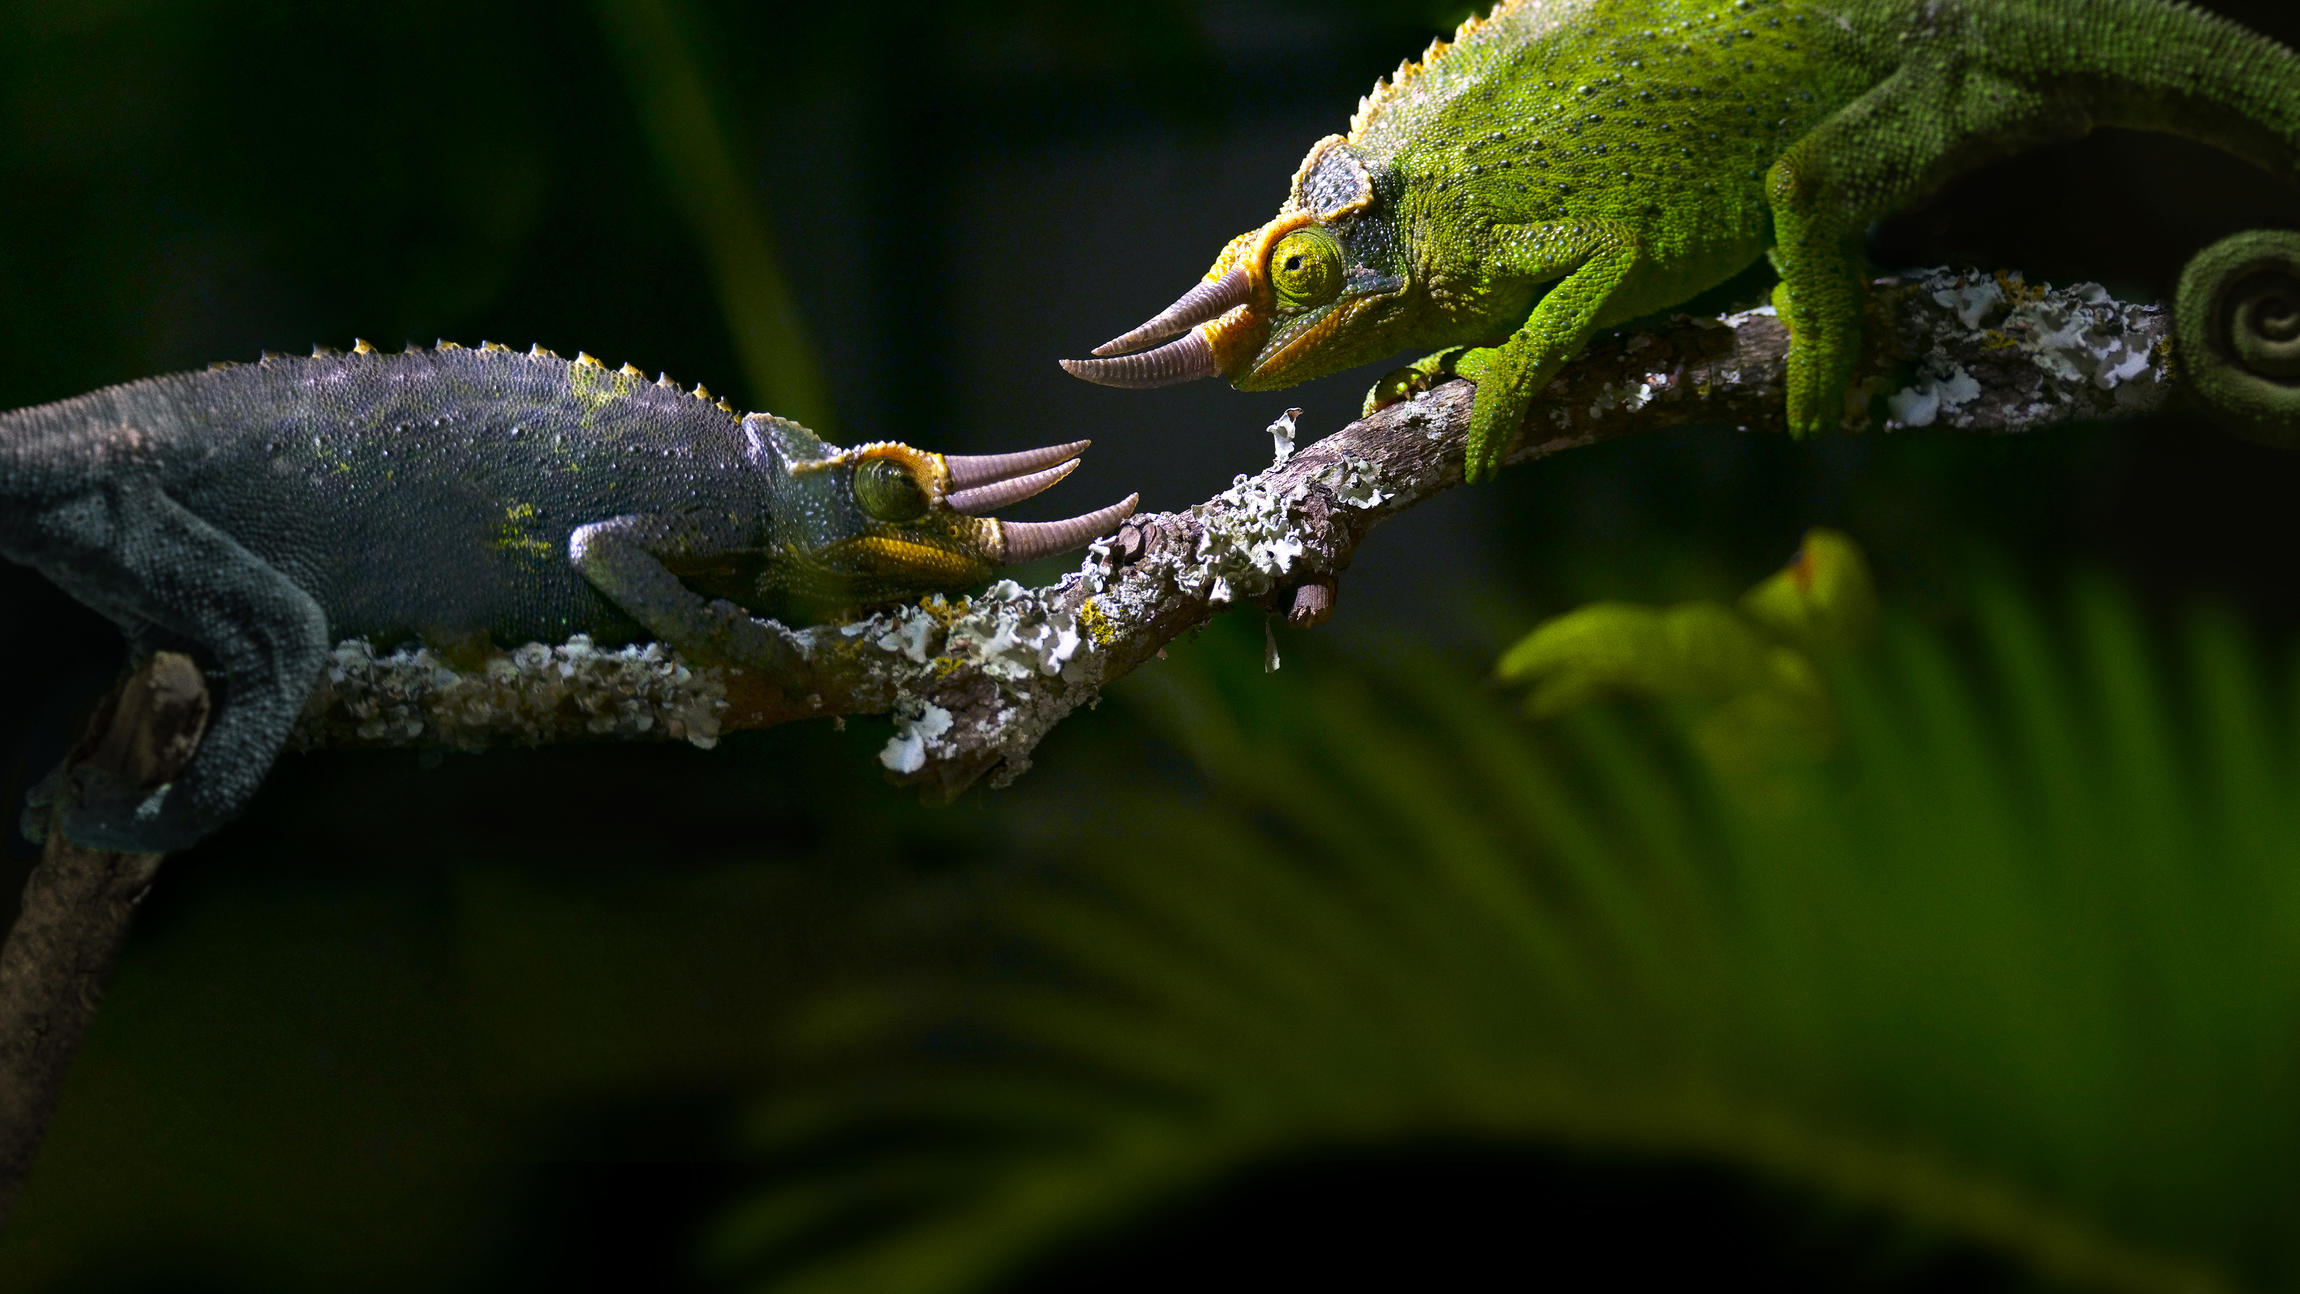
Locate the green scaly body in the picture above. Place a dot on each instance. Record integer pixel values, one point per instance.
(1563, 166)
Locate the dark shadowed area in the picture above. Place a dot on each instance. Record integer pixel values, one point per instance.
(497, 1022)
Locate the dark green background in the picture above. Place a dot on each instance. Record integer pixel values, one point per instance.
(480, 1025)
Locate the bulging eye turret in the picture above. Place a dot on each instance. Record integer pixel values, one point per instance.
(888, 492)
(1306, 268)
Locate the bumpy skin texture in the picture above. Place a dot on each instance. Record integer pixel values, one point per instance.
(256, 514)
(1563, 166)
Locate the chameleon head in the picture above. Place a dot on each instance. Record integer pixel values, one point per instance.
(885, 522)
(1319, 289)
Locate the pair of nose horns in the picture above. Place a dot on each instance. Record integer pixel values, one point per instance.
(1184, 359)
(981, 482)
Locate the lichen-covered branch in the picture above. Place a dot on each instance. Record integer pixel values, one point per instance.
(974, 684)
(78, 903)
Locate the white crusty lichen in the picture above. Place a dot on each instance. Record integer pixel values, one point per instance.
(1014, 637)
(1282, 437)
(1041, 659)
(906, 751)
(1250, 535)
(2072, 345)
(413, 696)
(1006, 631)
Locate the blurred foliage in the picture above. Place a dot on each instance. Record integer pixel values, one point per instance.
(2017, 973)
(1746, 679)
(680, 111)
(487, 1025)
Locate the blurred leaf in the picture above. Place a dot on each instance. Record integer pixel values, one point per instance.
(700, 166)
(2015, 971)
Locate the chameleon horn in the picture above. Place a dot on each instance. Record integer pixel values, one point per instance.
(1184, 359)
(1199, 304)
(997, 494)
(1027, 541)
(969, 470)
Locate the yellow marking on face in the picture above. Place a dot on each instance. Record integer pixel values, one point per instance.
(1237, 336)
(919, 561)
(930, 469)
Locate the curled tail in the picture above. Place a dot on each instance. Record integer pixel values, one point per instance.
(2159, 66)
(2236, 322)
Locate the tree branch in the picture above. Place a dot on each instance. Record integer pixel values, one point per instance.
(78, 903)
(974, 684)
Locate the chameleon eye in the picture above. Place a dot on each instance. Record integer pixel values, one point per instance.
(1306, 267)
(887, 491)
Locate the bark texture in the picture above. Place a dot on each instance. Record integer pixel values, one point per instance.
(79, 902)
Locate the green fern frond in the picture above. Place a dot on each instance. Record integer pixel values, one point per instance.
(2019, 968)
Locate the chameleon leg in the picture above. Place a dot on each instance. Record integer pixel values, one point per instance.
(160, 572)
(1405, 383)
(1595, 260)
(1932, 119)
(622, 557)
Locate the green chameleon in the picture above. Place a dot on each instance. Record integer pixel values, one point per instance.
(1564, 166)
(256, 514)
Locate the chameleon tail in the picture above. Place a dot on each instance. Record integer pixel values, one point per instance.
(2236, 324)
(2152, 65)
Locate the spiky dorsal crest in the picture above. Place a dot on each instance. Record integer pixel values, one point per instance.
(1397, 85)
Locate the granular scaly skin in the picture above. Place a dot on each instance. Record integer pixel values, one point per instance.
(455, 498)
(1564, 166)
(428, 494)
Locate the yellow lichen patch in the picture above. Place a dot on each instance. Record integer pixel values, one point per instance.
(514, 534)
(949, 611)
(1095, 622)
(2018, 292)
